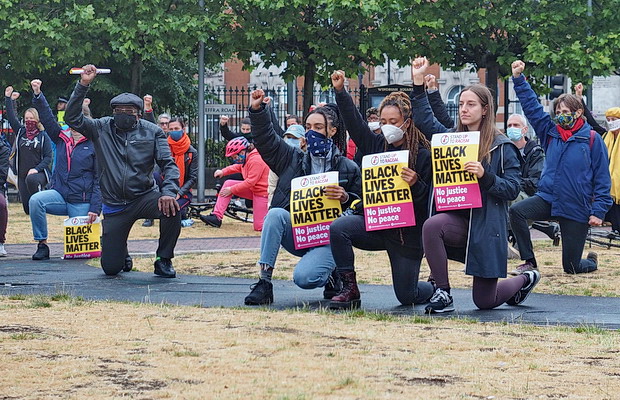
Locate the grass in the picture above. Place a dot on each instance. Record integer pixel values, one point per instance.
(103, 350)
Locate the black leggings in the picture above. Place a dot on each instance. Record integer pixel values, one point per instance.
(349, 231)
(29, 185)
(451, 229)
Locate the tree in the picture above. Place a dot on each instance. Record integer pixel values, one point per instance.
(313, 37)
(553, 37)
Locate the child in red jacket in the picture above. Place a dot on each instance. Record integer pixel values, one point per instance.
(255, 172)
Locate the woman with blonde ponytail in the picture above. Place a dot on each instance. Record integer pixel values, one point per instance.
(403, 245)
(475, 236)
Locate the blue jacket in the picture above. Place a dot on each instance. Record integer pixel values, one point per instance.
(486, 252)
(75, 176)
(575, 179)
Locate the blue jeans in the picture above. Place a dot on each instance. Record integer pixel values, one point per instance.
(51, 202)
(316, 263)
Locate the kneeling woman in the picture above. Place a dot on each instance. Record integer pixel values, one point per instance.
(403, 245)
(326, 139)
(477, 236)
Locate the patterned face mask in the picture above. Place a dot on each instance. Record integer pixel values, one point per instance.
(566, 120)
(318, 144)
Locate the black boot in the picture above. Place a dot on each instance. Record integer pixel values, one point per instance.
(262, 293)
(349, 297)
(333, 286)
(163, 268)
(42, 253)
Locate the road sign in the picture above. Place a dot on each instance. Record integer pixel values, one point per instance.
(219, 109)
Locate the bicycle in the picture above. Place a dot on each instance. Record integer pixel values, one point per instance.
(603, 238)
(235, 210)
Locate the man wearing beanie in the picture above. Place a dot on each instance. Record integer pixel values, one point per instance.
(127, 150)
(613, 149)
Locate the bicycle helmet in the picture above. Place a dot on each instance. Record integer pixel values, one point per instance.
(236, 145)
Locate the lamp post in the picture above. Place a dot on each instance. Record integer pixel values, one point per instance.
(201, 116)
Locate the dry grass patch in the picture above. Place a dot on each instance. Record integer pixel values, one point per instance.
(79, 350)
(19, 229)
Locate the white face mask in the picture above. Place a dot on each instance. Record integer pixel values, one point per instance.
(613, 125)
(374, 125)
(392, 133)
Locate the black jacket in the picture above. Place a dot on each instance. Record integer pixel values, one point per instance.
(290, 162)
(532, 166)
(126, 159)
(368, 142)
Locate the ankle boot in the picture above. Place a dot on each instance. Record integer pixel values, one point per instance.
(349, 296)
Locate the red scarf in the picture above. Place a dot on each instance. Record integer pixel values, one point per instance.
(32, 129)
(179, 149)
(567, 133)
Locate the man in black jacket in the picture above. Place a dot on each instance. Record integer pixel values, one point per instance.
(127, 151)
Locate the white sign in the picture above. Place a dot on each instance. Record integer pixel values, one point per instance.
(219, 109)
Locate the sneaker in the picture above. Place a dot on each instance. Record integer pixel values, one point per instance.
(163, 268)
(42, 253)
(440, 302)
(527, 266)
(211, 220)
(533, 277)
(333, 286)
(128, 264)
(262, 293)
(147, 223)
(2, 250)
(187, 222)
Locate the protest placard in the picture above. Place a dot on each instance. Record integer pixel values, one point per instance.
(387, 197)
(82, 240)
(311, 211)
(454, 188)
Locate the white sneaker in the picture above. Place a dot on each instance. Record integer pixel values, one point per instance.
(2, 250)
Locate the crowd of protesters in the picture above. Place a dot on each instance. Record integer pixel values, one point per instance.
(133, 166)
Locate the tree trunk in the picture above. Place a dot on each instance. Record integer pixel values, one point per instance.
(309, 73)
(492, 75)
(136, 74)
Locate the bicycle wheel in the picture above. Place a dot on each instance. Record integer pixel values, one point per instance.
(239, 213)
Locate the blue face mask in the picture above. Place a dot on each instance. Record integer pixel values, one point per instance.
(318, 144)
(514, 134)
(176, 135)
(239, 159)
(293, 142)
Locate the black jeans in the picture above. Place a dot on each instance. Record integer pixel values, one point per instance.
(349, 231)
(573, 234)
(116, 229)
(29, 185)
(613, 216)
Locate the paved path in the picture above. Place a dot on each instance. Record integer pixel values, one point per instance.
(78, 279)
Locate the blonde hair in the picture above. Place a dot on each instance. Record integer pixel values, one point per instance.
(413, 136)
(35, 114)
(487, 128)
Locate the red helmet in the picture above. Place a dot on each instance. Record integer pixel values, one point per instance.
(236, 145)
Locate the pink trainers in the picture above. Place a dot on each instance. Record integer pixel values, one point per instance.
(527, 266)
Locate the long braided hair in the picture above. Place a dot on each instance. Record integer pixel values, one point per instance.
(332, 117)
(414, 138)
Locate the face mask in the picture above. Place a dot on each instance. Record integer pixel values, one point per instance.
(613, 125)
(374, 125)
(125, 122)
(565, 120)
(293, 142)
(514, 134)
(176, 135)
(239, 159)
(318, 144)
(392, 133)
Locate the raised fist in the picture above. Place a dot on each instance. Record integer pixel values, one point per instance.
(224, 120)
(267, 100)
(338, 79)
(36, 86)
(15, 96)
(148, 102)
(579, 90)
(418, 70)
(89, 74)
(517, 68)
(256, 99)
(431, 82)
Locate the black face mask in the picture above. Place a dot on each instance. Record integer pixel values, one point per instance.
(125, 122)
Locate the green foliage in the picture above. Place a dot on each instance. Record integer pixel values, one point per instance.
(215, 153)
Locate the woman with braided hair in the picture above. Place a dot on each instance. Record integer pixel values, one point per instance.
(475, 236)
(403, 245)
(326, 144)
